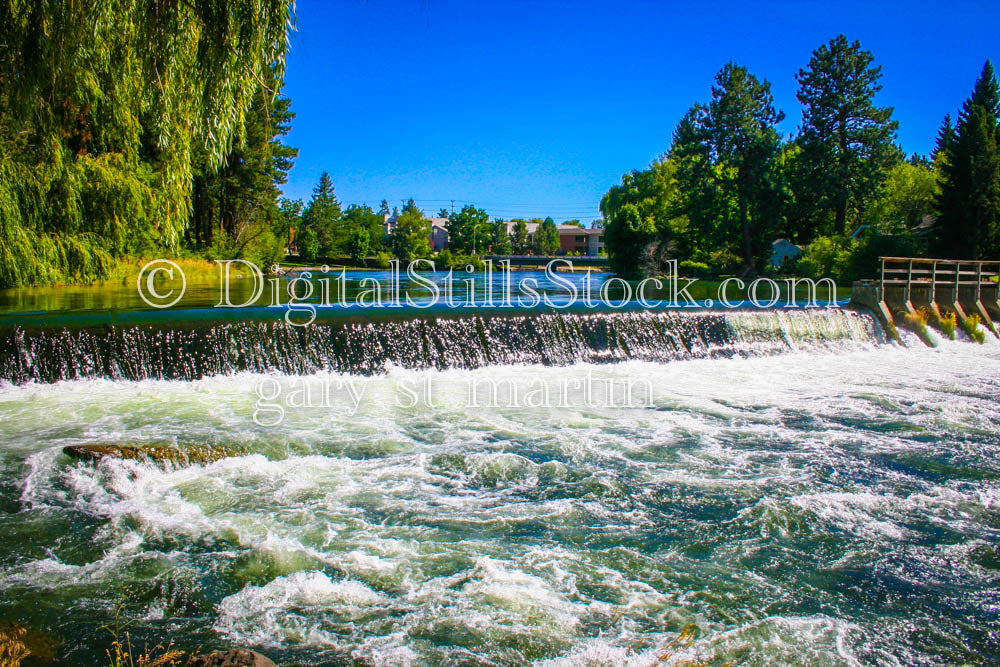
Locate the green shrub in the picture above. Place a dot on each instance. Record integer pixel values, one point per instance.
(724, 261)
(382, 260)
(695, 269)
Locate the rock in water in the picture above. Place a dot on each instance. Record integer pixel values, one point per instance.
(158, 453)
(237, 657)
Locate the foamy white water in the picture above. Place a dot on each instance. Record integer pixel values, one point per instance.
(811, 508)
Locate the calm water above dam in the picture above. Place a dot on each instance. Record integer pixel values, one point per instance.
(789, 485)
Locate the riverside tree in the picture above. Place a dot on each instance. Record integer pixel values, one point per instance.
(105, 103)
(848, 143)
(547, 237)
(468, 230)
(410, 239)
(323, 216)
(968, 226)
(234, 211)
(740, 124)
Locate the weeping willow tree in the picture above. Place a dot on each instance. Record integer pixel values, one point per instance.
(103, 103)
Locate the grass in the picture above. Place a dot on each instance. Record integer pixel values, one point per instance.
(13, 649)
(970, 325)
(126, 269)
(917, 323)
(122, 654)
(945, 324)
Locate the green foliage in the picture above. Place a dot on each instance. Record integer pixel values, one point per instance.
(323, 216)
(411, 237)
(845, 259)
(235, 212)
(740, 126)
(363, 217)
(382, 260)
(908, 195)
(547, 238)
(500, 242)
(519, 239)
(105, 105)
(970, 325)
(968, 226)
(946, 324)
(694, 269)
(917, 323)
(847, 142)
(308, 244)
(626, 237)
(358, 245)
(469, 230)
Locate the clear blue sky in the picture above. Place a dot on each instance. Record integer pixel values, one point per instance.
(536, 108)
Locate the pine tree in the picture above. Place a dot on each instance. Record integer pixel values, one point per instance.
(695, 189)
(547, 238)
(968, 225)
(945, 138)
(847, 141)
(740, 125)
(519, 239)
(323, 215)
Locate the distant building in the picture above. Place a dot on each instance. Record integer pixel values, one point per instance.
(572, 239)
(783, 250)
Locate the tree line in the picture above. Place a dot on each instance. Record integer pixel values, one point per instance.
(730, 184)
(324, 230)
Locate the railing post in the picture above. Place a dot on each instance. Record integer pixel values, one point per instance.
(909, 280)
(881, 285)
(934, 283)
(979, 280)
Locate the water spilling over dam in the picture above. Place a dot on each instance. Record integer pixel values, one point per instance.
(171, 351)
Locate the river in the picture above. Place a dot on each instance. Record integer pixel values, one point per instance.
(793, 489)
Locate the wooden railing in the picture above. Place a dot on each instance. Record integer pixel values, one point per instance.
(910, 272)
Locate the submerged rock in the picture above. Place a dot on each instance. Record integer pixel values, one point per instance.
(237, 657)
(18, 643)
(159, 453)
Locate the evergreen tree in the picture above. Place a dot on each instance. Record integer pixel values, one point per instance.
(694, 196)
(945, 138)
(519, 239)
(500, 243)
(847, 141)
(740, 126)
(322, 216)
(383, 210)
(234, 209)
(547, 238)
(968, 225)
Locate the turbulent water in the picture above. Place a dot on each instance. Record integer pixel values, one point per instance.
(835, 504)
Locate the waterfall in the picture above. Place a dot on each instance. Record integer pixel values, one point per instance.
(160, 351)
